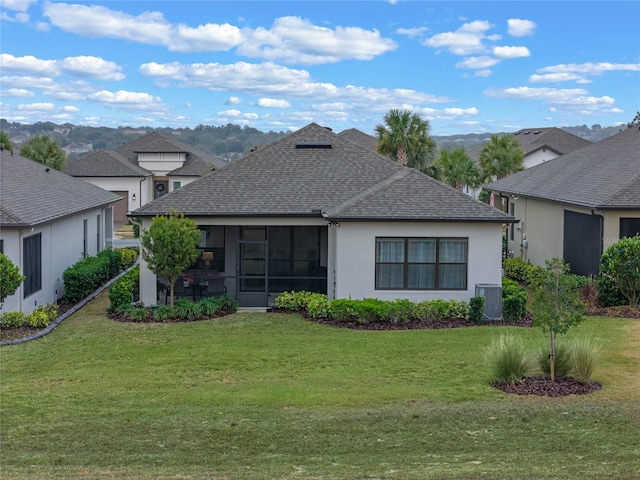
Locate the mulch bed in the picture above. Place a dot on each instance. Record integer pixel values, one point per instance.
(543, 386)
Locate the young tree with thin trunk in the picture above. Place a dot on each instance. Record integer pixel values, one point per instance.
(170, 245)
(556, 305)
(10, 278)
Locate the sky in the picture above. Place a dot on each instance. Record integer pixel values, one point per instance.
(466, 67)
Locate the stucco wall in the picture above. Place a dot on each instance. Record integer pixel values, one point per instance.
(611, 230)
(355, 254)
(539, 156)
(62, 246)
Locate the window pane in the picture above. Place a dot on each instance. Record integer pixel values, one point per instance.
(453, 277)
(253, 233)
(453, 250)
(389, 276)
(421, 276)
(390, 250)
(422, 250)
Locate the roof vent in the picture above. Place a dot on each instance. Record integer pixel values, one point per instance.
(527, 133)
(313, 145)
(535, 133)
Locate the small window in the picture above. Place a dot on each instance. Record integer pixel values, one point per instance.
(421, 263)
(32, 264)
(629, 227)
(176, 185)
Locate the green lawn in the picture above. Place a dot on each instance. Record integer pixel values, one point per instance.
(271, 396)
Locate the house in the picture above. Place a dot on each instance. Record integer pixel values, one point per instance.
(358, 137)
(314, 211)
(143, 169)
(542, 144)
(48, 221)
(576, 205)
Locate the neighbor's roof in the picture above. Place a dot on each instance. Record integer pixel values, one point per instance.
(315, 172)
(360, 138)
(196, 163)
(32, 193)
(560, 141)
(605, 174)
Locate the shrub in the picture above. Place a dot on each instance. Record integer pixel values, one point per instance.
(513, 308)
(370, 310)
(10, 277)
(295, 301)
(620, 263)
(209, 306)
(342, 310)
(113, 260)
(14, 319)
(120, 294)
(507, 359)
(318, 306)
(511, 288)
(162, 312)
(227, 303)
(516, 269)
(584, 357)
(562, 364)
(401, 310)
(128, 256)
(186, 309)
(42, 316)
(137, 313)
(476, 309)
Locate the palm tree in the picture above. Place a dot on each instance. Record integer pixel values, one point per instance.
(502, 156)
(404, 137)
(42, 149)
(457, 169)
(5, 141)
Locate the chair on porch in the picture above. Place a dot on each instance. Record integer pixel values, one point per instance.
(215, 287)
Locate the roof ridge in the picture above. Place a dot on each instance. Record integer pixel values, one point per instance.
(373, 189)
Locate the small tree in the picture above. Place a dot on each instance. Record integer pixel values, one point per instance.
(5, 142)
(620, 264)
(556, 306)
(10, 278)
(170, 246)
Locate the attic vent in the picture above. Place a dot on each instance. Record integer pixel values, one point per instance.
(527, 133)
(535, 133)
(517, 133)
(313, 144)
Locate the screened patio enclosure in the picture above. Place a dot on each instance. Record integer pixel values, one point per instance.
(254, 264)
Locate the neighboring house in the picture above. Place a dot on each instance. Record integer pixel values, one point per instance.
(314, 211)
(143, 169)
(74, 149)
(542, 144)
(360, 138)
(48, 221)
(576, 205)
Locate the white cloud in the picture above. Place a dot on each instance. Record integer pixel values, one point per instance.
(82, 66)
(17, 92)
(289, 40)
(474, 63)
(511, 52)
(230, 113)
(520, 28)
(28, 64)
(273, 103)
(19, 9)
(579, 72)
(555, 77)
(576, 99)
(92, 67)
(123, 98)
(297, 41)
(412, 32)
(36, 107)
(233, 101)
(466, 40)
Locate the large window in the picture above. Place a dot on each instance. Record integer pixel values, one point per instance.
(421, 263)
(32, 264)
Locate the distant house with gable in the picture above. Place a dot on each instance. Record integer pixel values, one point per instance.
(48, 221)
(542, 144)
(143, 169)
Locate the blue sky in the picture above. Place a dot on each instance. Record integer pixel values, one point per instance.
(465, 66)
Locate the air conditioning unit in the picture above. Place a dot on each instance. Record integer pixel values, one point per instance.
(492, 294)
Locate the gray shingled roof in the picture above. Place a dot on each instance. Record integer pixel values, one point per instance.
(356, 136)
(561, 142)
(346, 181)
(106, 163)
(31, 193)
(605, 174)
(100, 164)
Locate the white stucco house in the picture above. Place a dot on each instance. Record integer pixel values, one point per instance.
(48, 221)
(144, 169)
(575, 206)
(540, 145)
(315, 211)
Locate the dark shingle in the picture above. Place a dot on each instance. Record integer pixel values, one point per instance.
(555, 139)
(605, 174)
(360, 138)
(346, 181)
(31, 193)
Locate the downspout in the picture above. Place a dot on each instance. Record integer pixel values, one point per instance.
(505, 252)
